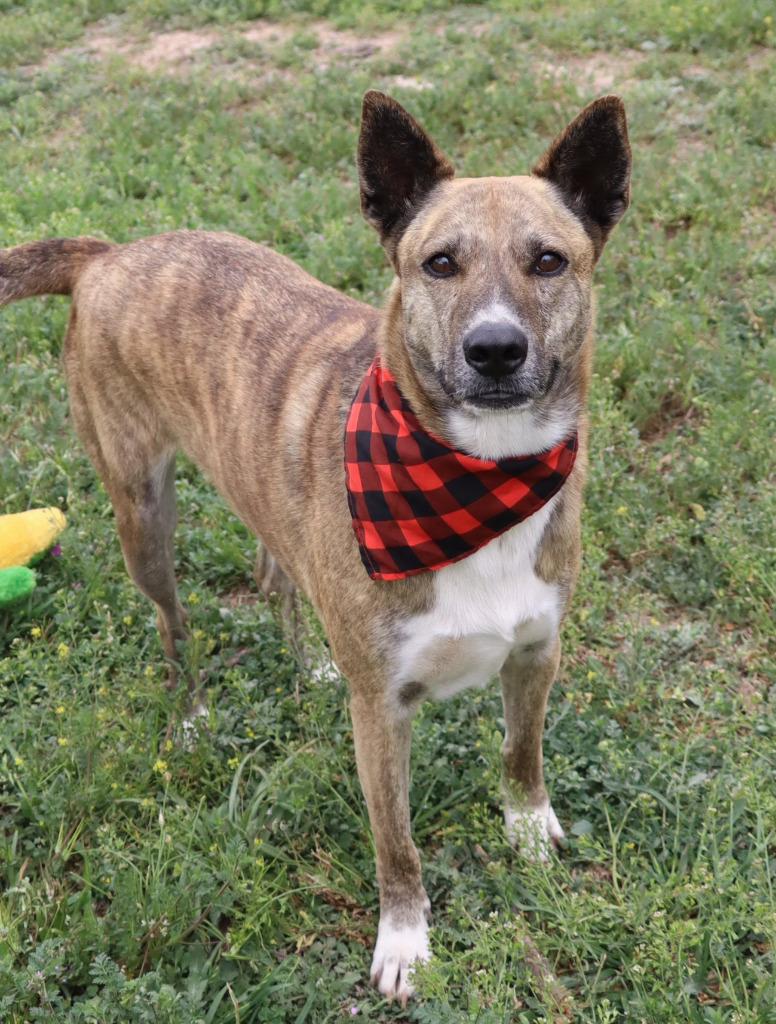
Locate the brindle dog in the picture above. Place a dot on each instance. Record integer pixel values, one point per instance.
(210, 343)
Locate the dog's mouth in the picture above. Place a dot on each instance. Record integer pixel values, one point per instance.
(497, 399)
(510, 393)
(507, 394)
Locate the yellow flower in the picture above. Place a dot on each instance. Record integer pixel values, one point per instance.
(60, 710)
(35, 632)
(62, 741)
(63, 650)
(233, 762)
(192, 598)
(18, 761)
(160, 766)
(249, 731)
(127, 620)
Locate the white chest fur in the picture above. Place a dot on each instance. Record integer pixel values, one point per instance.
(484, 606)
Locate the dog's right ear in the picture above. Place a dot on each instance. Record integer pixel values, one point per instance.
(398, 166)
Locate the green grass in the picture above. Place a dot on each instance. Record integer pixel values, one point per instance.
(235, 881)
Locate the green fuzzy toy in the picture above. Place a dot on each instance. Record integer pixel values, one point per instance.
(15, 582)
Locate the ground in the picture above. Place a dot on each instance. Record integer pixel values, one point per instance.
(233, 880)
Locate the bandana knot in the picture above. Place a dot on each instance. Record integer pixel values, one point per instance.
(418, 504)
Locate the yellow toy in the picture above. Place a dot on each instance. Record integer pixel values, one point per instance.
(23, 536)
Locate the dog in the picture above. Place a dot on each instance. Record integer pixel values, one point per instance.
(480, 363)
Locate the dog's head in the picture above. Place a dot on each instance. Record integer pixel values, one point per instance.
(495, 273)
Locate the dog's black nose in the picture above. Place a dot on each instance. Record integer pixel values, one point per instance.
(495, 350)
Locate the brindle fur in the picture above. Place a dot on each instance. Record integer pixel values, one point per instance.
(209, 343)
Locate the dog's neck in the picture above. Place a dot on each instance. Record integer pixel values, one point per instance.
(484, 433)
(509, 434)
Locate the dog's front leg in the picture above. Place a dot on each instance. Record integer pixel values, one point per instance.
(526, 679)
(382, 756)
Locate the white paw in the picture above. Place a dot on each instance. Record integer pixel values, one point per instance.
(324, 670)
(533, 831)
(191, 724)
(396, 951)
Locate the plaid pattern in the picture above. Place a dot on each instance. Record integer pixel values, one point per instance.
(417, 503)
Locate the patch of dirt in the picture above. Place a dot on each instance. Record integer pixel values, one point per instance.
(593, 876)
(689, 146)
(670, 414)
(240, 595)
(672, 228)
(404, 82)
(760, 57)
(605, 71)
(170, 50)
(160, 50)
(759, 226)
(694, 71)
(751, 692)
(268, 33)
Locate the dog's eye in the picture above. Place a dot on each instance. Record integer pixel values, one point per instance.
(550, 263)
(440, 265)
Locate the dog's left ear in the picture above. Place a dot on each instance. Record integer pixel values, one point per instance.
(398, 166)
(590, 162)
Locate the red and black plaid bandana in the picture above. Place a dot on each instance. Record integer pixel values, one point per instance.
(419, 504)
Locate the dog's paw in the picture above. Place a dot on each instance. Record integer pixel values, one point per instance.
(533, 831)
(195, 721)
(397, 950)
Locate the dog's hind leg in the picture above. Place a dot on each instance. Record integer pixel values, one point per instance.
(526, 679)
(136, 463)
(145, 519)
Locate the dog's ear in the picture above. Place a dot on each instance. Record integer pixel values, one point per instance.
(590, 162)
(398, 166)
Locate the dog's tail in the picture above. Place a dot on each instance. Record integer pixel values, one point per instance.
(49, 267)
